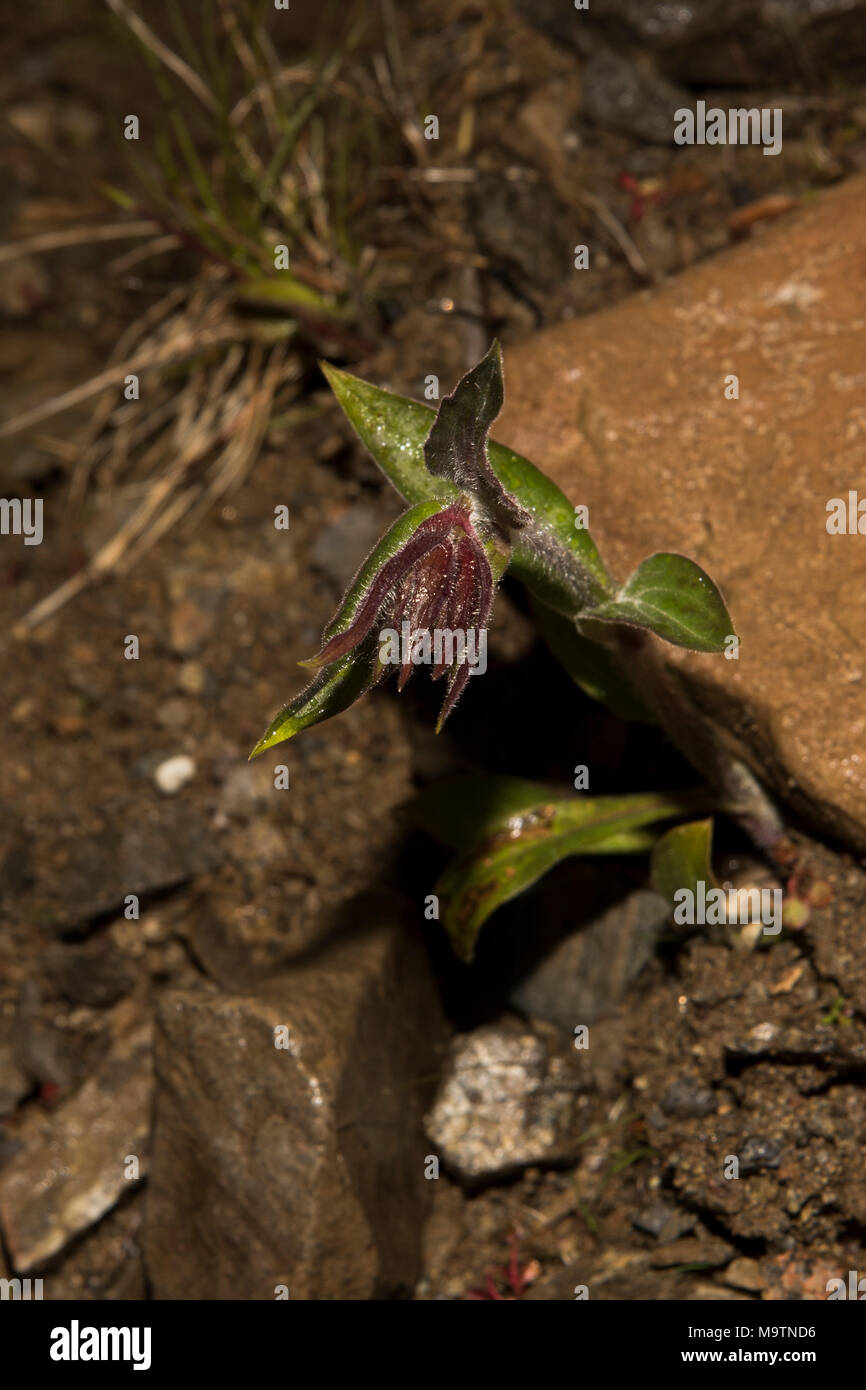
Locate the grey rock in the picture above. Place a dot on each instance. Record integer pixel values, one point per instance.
(72, 1166)
(509, 1098)
(523, 226)
(299, 1165)
(757, 1153)
(734, 44)
(47, 1055)
(98, 975)
(144, 849)
(587, 973)
(664, 1221)
(688, 1098)
(621, 95)
(340, 547)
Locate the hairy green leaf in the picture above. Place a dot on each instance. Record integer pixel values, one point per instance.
(673, 597)
(456, 447)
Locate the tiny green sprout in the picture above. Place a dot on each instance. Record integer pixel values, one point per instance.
(838, 1014)
(425, 595)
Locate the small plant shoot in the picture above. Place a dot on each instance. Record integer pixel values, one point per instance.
(426, 595)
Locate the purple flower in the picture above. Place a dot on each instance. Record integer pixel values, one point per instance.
(440, 580)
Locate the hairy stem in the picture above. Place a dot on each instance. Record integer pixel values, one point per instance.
(740, 792)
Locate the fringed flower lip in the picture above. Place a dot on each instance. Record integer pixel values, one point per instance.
(440, 579)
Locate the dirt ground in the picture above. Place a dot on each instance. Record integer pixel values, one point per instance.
(234, 881)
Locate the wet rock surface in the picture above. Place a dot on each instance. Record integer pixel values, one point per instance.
(627, 411)
(296, 1158)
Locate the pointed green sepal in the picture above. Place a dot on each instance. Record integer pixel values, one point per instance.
(334, 689)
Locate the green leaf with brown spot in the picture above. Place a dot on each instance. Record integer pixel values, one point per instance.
(522, 840)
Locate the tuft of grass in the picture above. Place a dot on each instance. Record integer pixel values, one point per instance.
(247, 155)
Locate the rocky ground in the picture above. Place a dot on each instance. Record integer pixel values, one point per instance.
(274, 1075)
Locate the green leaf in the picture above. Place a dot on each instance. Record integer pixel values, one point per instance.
(463, 810)
(456, 447)
(334, 689)
(556, 561)
(284, 291)
(590, 665)
(673, 597)
(117, 196)
(681, 859)
(522, 841)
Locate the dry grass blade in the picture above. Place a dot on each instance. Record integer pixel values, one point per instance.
(166, 55)
(214, 355)
(76, 236)
(618, 232)
(183, 346)
(158, 247)
(252, 67)
(230, 406)
(134, 334)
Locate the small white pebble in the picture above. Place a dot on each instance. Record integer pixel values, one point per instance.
(764, 1032)
(174, 773)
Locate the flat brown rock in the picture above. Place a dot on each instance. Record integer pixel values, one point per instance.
(626, 409)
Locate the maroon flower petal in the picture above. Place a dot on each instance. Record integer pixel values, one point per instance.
(421, 542)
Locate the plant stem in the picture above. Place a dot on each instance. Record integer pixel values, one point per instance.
(742, 795)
